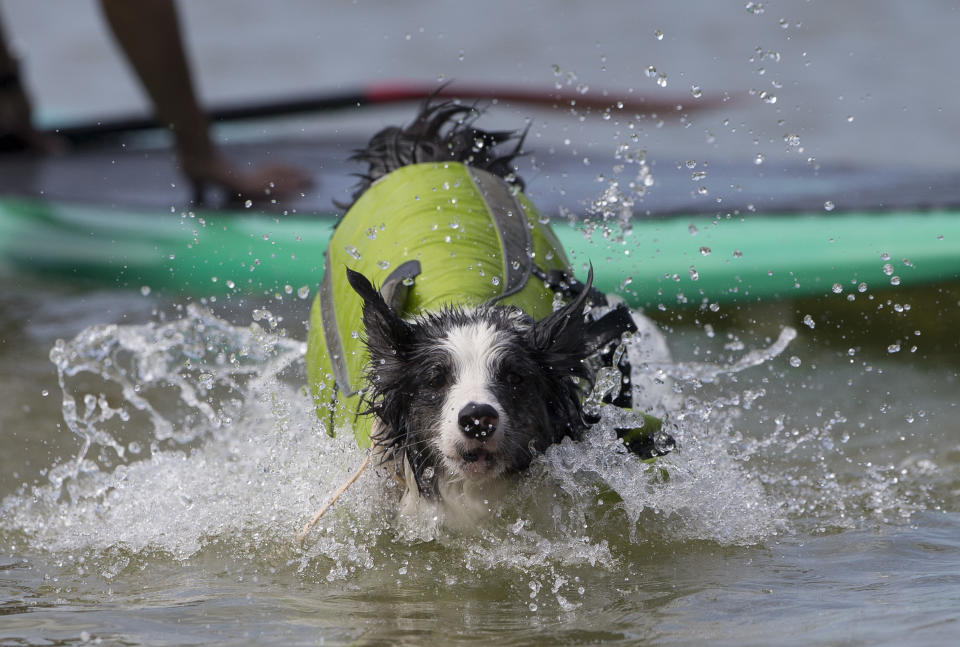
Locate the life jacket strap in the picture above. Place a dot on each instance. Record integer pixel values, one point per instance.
(331, 335)
(510, 220)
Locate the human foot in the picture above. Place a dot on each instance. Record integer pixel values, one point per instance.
(270, 182)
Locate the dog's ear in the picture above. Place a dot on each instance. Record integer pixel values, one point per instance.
(561, 334)
(387, 333)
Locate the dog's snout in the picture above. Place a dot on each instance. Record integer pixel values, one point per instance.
(478, 421)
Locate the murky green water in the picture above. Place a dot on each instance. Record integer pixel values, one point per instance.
(812, 501)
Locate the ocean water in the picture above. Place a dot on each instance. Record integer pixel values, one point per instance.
(159, 454)
(157, 468)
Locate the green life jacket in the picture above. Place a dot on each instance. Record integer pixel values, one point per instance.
(430, 235)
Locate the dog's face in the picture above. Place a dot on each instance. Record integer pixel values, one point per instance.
(472, 394)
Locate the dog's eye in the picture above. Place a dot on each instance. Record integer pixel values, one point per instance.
(514, 378)
(436, 378)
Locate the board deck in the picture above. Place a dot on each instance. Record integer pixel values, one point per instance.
(139, 172)
(119, 212)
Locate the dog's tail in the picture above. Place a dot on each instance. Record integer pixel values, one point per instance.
(443, 131)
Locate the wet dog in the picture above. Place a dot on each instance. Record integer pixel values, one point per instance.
(472, 363)
(466, 396)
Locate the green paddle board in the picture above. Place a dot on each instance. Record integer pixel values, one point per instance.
(675, 261)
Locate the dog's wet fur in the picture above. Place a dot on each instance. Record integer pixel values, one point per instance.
(465, 397)
(471, 394)
(442, 132)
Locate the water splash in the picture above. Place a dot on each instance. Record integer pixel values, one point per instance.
(704, 373)
(203, 430)
(196, 433)
(171, 384)
(612, 210)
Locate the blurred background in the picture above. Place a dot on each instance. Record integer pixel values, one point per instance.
(860, 82)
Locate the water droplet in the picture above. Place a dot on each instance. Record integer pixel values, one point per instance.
(353, 252)
(837, 288)
(303, 291)
(693, 230)
(407, 281)
(792, 139)
(698, 175)
(893, 348)
(495, 280)
(849, 119)
(383, 264)
(248, 204)
(696, 91)
(795, 361)
(651, 71)
(755, 8)
(809, 322)
(828, 205)
(694, 275)
(894, 280)
(691, 164)
(887, 269)
(705, 251)
(758, 160)
(230, 284)
(737, 253)
(658, 34)
(145, 290)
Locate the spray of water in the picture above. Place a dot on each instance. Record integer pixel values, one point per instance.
(197, 433)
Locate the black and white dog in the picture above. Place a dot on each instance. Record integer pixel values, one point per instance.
(467, 396)
(464, 393)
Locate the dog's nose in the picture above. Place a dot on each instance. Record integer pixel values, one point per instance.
(478, 421)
